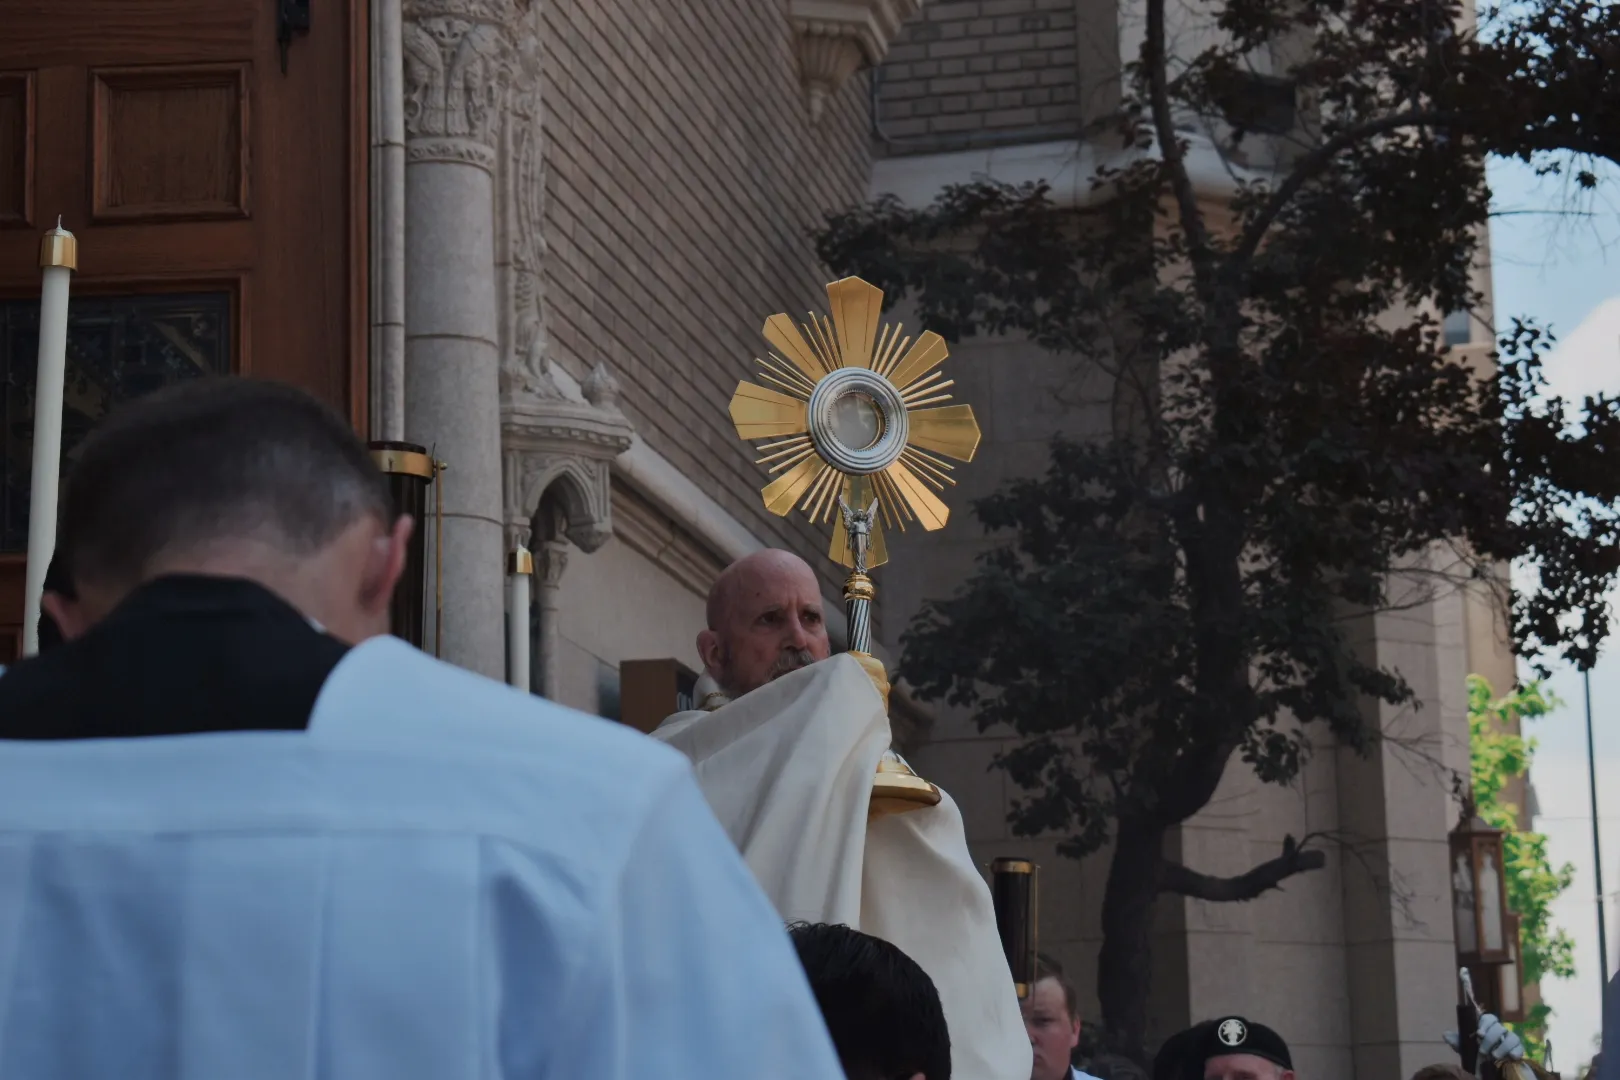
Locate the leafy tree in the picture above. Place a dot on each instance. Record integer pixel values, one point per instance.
(1290, 430)
(1497, 755)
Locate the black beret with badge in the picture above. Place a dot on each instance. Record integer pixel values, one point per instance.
(1234, 1035)
(1174, 1060)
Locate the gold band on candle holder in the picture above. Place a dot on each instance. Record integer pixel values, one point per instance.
(404, 462)
(59, 248)
(1012, 866)
(520, 561)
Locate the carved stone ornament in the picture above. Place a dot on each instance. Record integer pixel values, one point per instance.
(459, 63)
(566, 444)
(837, 38)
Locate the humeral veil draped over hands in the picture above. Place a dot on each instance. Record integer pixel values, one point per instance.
(788, 770)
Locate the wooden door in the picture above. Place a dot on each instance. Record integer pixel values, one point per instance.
(219, 202)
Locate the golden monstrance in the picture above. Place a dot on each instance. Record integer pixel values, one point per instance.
(856, 432)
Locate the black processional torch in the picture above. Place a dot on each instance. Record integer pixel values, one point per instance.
(1014, 888)
(410, 469)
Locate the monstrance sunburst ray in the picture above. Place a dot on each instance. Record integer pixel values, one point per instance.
(854, 412)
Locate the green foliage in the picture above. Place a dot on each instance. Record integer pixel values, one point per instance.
(1498, 756)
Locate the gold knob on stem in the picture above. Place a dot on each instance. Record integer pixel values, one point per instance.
(896, 788)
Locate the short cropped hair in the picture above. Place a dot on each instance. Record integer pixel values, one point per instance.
(208, 460)
(1048, 968)
(880, 1007)
(1443, 1071)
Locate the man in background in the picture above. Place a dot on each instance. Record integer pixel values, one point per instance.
(1052, 1019)
(247, 834)
(881, 1008)
(59, 587)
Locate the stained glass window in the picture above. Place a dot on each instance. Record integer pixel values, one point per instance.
(119, 347)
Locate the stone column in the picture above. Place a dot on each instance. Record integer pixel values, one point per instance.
(550, 560)
(457, 64)
(1395, 805)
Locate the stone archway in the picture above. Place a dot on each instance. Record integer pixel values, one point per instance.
(558, 446)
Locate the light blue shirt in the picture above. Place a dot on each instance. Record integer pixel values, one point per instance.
(443, 879)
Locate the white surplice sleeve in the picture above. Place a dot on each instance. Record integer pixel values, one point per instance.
(693, 976)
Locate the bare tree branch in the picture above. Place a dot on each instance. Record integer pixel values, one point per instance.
(1314, 162)
(1295, 859)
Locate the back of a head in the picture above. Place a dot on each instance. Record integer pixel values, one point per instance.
(1443, 1071)
(1178, 1058)
(880, 1007)
(212, 461)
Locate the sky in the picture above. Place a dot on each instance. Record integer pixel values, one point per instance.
(1556, 257)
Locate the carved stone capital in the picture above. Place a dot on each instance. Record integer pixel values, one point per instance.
(461, 151)
(460, 59)
(566, 446)
(837, 38)
(550, 560)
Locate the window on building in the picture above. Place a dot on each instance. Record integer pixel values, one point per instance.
(1458, 328)
(1260, 104)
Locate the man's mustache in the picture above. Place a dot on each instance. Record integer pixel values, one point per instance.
(791, 660)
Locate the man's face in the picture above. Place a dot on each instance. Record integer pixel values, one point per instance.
(768, 622)
(1053, 1033)
(1244, 1067)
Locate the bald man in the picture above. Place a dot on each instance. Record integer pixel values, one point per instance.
(765, 619)
(785, 745)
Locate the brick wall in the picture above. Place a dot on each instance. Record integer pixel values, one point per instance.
(976, 72)
(682, 182)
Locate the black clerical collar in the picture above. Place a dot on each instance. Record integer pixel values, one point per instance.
(188, 595)
(183, 654)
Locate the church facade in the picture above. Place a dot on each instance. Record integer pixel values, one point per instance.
(540, 237)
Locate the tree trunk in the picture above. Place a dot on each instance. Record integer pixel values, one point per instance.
(1124, 965)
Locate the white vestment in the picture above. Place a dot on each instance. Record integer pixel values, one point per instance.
(443, 879)
(788, 771)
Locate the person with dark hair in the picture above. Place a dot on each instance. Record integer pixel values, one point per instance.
(880, 1007)
(228, 540)
(1444, 1071)
(1052, 1019)
(59, 588)
(1182, 1053)
(345, 858)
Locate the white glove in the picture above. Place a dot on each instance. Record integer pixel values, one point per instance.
(1497, 1042)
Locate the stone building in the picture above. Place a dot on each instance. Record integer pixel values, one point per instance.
(540, 237)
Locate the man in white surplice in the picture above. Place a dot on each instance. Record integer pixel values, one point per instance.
(786, 745)
(245, 836)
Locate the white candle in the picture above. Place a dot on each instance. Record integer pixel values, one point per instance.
(59, 256)
(519, 571)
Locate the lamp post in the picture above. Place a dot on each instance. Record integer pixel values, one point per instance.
(1597, 848)
(1510, 978)
(1478, 891)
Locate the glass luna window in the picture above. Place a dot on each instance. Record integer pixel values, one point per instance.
(118, 348)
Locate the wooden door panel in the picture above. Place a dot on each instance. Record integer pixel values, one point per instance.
(170, 143)
(16, 149)
(98, 33)
(220, 205)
